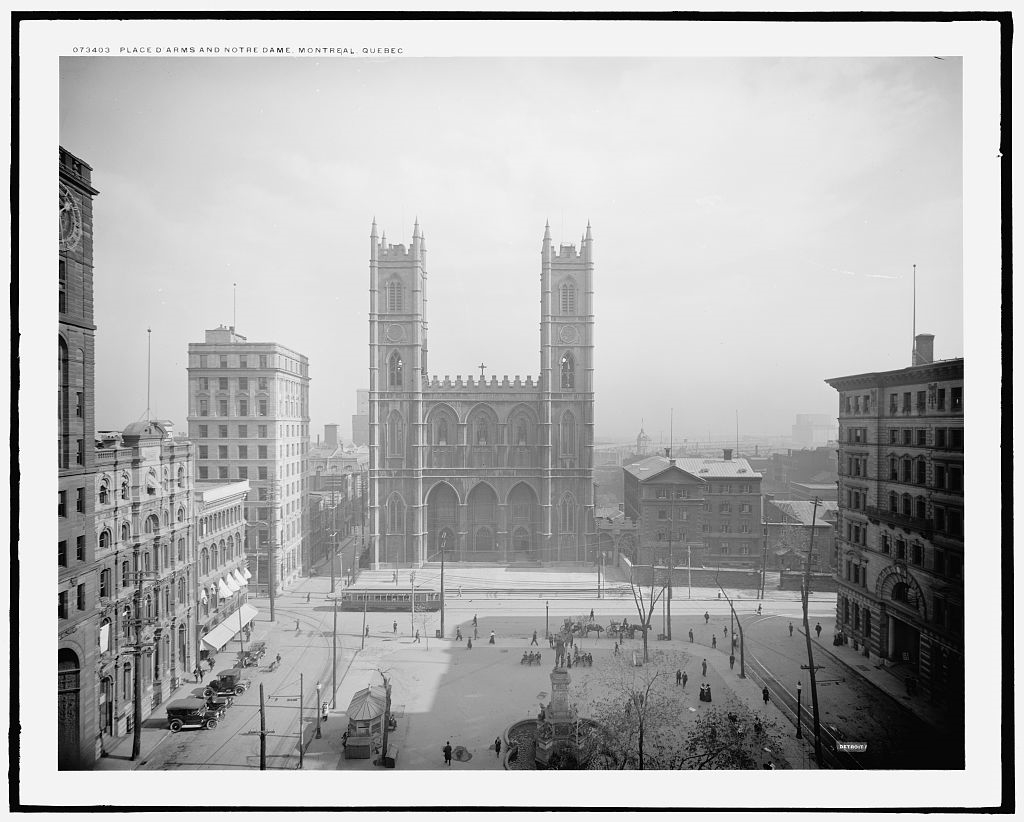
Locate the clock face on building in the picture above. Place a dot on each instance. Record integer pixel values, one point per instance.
(394, 333)
(70, 220)
(568, 334)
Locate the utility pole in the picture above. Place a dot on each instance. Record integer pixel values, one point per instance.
(362, 634)
(334, 532)
(412, 603)
(302, 697)
(444, 544)
(263, 728)
(739, 625)
(272, 564)
(334, 658)
(138, 655)
(807, 635)
(764, 561)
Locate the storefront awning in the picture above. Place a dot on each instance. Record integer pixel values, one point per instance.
(247, 574)
(239, 578)
(223, 590)
(229, 628)
(230, 582)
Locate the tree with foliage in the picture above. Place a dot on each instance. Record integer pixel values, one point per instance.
(728, 740)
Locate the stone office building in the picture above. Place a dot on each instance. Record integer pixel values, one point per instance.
(146, 569)
(249, 418)
(492, 470)
(77, 622)
(901, 508)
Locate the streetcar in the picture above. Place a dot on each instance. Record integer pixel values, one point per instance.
(384, 599)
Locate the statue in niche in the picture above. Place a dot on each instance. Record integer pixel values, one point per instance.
(442, 432)
(521, 432)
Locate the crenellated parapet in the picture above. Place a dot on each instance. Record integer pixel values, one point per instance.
(476, 383)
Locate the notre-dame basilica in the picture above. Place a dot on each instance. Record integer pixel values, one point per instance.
(496, 471)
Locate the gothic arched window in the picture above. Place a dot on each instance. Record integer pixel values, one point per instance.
(395, 296)
(442, 431)
(521, 432)
(567, 434)
(567, 297)
(396, 515)
(63, 404)
(395, 435)
(567, 515)
(395, 370)
(568, 368)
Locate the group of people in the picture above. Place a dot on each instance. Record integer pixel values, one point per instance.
(577, 658)
(531, 658)
(705, 692)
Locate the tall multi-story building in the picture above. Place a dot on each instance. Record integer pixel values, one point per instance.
(222, 573)
(361, 419)
(249, 418)
(813, 430)
(710, 506)
(492, 470)
(901, 502)
(146, 569)
(77, 620)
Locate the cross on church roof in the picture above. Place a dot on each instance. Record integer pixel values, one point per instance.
(482, 367)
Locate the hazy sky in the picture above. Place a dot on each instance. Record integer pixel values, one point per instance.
(755, 220)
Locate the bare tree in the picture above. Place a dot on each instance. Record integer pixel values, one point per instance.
(646, 603)
(387, 713)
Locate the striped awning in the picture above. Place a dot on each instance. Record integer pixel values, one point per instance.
(236, 574)
(230, 582)
(223, 590)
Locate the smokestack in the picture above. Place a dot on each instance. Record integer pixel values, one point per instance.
(924, 349)
(727, 454)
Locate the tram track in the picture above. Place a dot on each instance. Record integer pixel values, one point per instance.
(194, 757)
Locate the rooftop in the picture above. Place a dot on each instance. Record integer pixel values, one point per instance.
(703, 467)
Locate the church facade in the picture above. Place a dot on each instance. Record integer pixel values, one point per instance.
(485, 470)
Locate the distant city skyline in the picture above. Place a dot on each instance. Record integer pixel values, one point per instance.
(735, 205)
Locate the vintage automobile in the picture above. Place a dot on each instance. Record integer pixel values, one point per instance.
(190, 713)
(251, 656)
(219, 706)
(229, 681)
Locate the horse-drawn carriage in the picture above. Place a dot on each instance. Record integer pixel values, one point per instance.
(582, 626)
(624, 630)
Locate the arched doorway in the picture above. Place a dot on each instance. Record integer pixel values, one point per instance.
(523, 514)
(442, 521)
(483, 522)
(68, 709)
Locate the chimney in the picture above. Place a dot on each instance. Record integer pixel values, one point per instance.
(727, 454)
(331, 435)
(924, 349)
(668, 453)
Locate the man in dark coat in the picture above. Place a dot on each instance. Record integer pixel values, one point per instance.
(704, 668)
(447, 750)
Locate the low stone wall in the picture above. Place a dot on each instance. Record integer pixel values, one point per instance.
(792, 580)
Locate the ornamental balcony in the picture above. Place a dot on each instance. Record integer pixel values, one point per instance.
(924, 527)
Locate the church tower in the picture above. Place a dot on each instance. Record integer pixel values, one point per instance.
(398, 361)
(567, 396)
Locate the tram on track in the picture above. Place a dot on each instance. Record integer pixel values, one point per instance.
(385, 599)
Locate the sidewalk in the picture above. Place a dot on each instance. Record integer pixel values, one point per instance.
(882, 677)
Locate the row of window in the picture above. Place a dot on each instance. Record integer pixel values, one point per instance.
(726, 488)
(242, 383)
(242, 431)
(62, 502)
(944, 563)
(245, 361)
(951, 438)
(920, 401)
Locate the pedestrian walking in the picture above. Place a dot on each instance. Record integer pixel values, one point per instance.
(615, 651)
(732, 661)
(759, 609)
(199, 674)
(476, 635)
(447, 751)
(278, 658)
(367, 632)
(714, 642)
(296, 625)
(591, 614)
(725, 633)
(491, 640)
(307, 595)
(791, 629)
(469, 644)
(534, 640)
(460, 592)
(817, 630)
(704, 667)
(497, 746)
(685, 677)
(679, 676)
(394, 627)
(691, 635)
(474, 620)
(765, 695)
(707, 617)
(417, 636)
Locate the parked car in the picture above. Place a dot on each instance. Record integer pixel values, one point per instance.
(229, 681)
(190, 713)
(219, 706)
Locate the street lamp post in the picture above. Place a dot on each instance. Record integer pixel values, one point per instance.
(799, 732)
(412, 603)
(444, 544)
(547, 631)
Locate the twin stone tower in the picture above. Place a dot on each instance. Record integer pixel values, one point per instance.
(491, 471)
